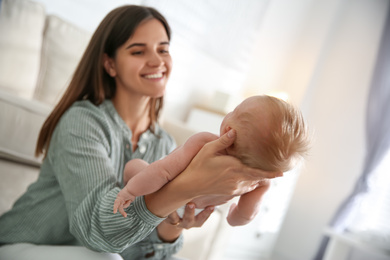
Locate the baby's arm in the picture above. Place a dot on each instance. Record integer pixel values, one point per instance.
(132, 168)
(158, 173)
(248, 206)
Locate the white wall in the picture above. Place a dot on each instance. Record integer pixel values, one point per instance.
(334, 102)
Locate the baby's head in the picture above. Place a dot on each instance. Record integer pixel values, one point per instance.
(271, 134)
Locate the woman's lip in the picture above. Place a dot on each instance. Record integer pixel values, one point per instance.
(156, 75)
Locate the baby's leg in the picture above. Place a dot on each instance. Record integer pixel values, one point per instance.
(248, 205)
(133, 167)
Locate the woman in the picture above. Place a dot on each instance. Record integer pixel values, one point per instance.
(107, 116)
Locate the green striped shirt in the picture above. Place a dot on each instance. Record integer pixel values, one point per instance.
(71, 203)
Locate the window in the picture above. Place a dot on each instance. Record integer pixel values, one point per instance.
(371, 220)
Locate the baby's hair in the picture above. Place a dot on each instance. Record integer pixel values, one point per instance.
(279, 136)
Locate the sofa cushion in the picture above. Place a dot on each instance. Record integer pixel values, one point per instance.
(21, 28)
(62, 48)
(21, 122)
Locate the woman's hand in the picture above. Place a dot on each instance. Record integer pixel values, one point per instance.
(170, 229)
(211, 172)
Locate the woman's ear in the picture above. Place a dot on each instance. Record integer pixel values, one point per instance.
(108, 64)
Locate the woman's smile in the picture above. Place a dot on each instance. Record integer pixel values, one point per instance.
(154, 76)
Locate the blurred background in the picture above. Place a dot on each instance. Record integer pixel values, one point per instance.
(319, 55)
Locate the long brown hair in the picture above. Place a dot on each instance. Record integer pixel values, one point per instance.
(90, 80)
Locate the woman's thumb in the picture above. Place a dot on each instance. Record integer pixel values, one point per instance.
(224, 141)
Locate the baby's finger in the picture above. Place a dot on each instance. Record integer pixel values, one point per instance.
(127, 204)
(116, 205)
(121, 210)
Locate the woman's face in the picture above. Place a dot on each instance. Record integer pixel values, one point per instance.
(142, 65)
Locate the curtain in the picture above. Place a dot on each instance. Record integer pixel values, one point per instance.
(377, 137)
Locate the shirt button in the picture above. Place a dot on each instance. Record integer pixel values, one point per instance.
(127, 146)
(159, 246)
(142, 149)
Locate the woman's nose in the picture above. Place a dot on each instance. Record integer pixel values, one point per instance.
(155, 60)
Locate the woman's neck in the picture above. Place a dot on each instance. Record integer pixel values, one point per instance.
(134, 111)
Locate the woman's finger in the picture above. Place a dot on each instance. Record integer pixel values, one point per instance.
(189, 216)
(203, 216)
(191, 220)
(258, 174)
(122, 211)
(174, 218)
(223, 142)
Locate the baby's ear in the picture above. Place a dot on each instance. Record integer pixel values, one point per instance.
(227, 129)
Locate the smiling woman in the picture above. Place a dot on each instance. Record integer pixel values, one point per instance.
(89, 129)
(141, 68)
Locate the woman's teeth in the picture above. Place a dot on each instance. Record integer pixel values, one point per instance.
(153, 76)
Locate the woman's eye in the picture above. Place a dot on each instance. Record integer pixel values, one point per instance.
(136, 52)
(164, 51)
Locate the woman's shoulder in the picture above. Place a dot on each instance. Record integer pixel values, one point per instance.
(82, 108)
(84, 115)
(85, 109)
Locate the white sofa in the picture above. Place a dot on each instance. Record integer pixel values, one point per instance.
(38, 53)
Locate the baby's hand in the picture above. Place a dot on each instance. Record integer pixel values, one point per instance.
(120, 204)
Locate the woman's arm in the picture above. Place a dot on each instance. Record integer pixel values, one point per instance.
(209, 173)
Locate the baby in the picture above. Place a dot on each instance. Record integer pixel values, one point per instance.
(271, 135)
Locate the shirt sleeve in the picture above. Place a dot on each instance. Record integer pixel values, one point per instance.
(152, 248)
(80, 153)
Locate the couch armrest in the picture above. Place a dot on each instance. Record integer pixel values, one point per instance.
(21, 122)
